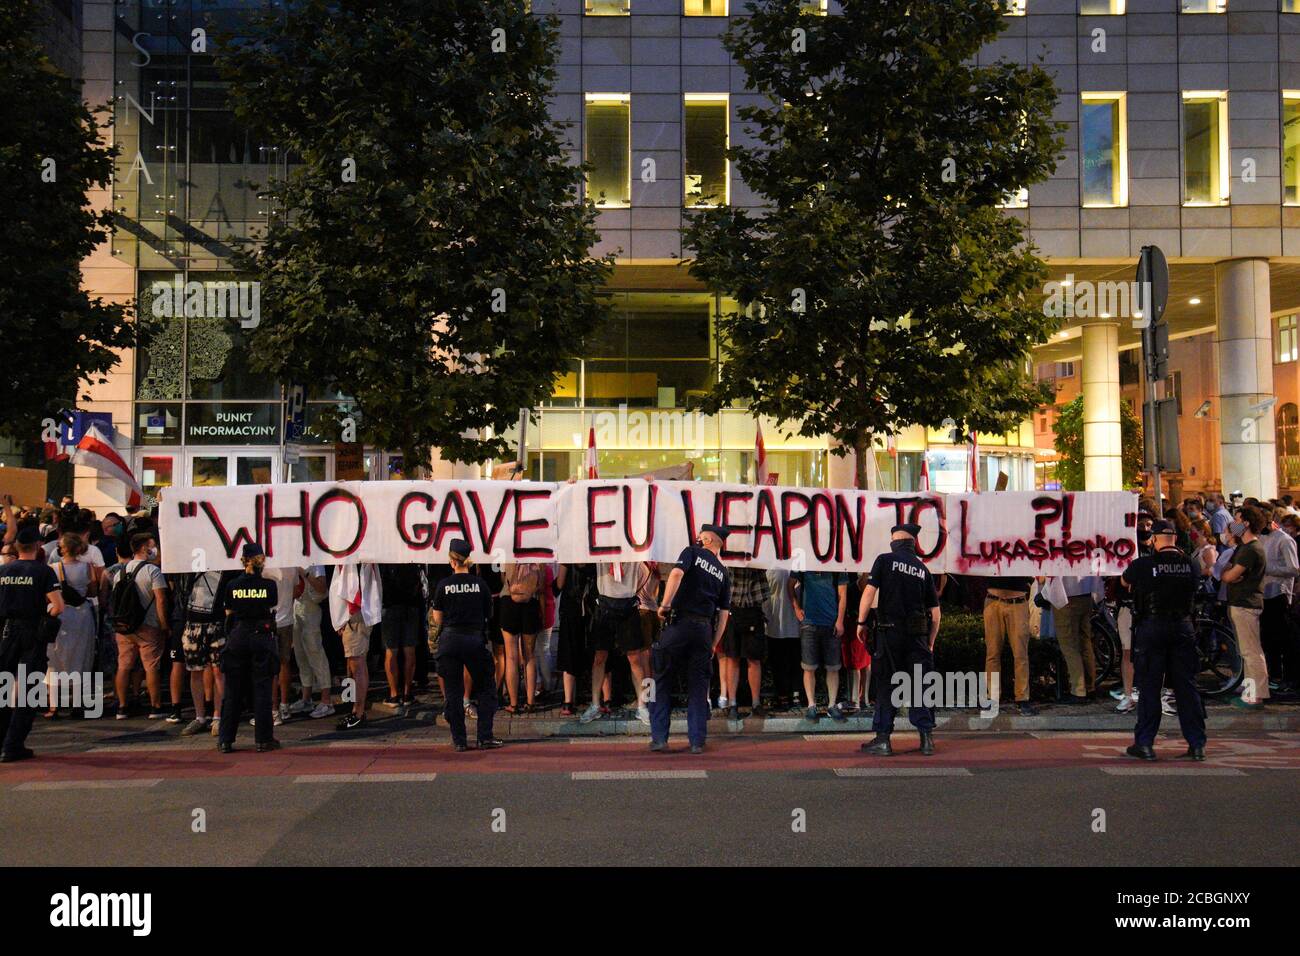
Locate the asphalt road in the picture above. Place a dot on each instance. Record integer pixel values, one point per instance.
(1006, 800)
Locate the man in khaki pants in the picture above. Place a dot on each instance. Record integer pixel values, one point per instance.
(1074, 635)
(1245, 580)
(1006, 618)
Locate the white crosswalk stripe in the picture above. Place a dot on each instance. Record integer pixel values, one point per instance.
(640, 774)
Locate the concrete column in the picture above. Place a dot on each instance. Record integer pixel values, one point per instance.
(1247, 439)
(1103, 466)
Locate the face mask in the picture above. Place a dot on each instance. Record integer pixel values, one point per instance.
(153, 554)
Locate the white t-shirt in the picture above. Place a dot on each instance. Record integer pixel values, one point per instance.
(93, 556)
(286, 581)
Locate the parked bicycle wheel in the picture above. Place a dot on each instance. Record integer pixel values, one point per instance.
(1106, 647)
(1221, 665)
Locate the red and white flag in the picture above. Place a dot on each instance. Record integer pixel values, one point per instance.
(760, 456)
(925, 472)
(974, 462)
(95, 450)
(591, 464)
(592, 467)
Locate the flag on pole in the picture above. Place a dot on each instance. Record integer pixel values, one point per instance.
(592, 466)
(760, 456)
(925, 472)
(974, 462)
(593, 471)
(95, 450)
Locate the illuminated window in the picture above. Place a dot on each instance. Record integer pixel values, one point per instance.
(1090, 7)
(814, 6)
(608, 8)
(1291, 6)
(1013, 8)
(1103, 149)
(706, 8)
(1205, 149)
(1016, 199)
(1291, 146)
(1284, 339)
(1203, 6)
(608, 143)
(705, 168)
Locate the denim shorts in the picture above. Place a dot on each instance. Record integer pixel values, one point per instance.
(818, 647)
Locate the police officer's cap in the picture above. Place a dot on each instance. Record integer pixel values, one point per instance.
(460, 548)
(719, 529)
(252, 550)
(910, 528)
(28, 536)
(1161, 526)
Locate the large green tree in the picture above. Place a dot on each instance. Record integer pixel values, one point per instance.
(1069, 445)
(446, 283)
(55, 339)
(880, 286)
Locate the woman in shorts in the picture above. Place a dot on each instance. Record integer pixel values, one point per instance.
(521, 619)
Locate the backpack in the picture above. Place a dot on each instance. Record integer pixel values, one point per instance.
(204, 593)
(126, 609)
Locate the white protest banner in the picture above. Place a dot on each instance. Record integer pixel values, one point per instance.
(638, 520)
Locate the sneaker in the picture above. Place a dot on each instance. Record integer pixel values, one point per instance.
(351, 721)
(122, 713)
(322, 710)
(567, 710)
(1243, 704)
(1027, 709)
(643, 714)
(733, 712)
(157, 713)
(1118, 693)
(590, 714)
(836, 712)
(195, 726)
(300, 707)
(1168, 708)
(758, 711)
(471, 712)
(1127, 704)
(722, 703)
(175, 716)
(277, 720)
(392, 703)
(408, 700)
(216, 726)
(604, 710)
(285, 713)
(811, 714)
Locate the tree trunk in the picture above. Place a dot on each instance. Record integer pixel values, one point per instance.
(861, 449)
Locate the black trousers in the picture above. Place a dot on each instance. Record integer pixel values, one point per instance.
(1277, 635)
(21, 644)
(783, 664)
(458, 651)
(1164, 654)
(900, 652)
(251, 657)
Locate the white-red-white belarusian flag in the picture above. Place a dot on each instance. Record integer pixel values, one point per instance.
(95, 450)
(760, 456)
(974, 462)
(925, 472)
(591, 465)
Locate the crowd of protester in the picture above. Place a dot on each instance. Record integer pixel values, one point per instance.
(576, 639)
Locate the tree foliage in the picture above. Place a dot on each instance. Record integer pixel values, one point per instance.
(879, 286)
(1069, 445)
(57, 340)
(446, 287)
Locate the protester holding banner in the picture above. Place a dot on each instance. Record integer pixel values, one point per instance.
(356, 605)
(782, 640)
(820, 602)
(313, 665)
(521, 619)
(745, 637)
(1006, 620)
(572, 583)
(616, 625)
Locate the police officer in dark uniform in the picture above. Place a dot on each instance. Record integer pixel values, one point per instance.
(462, 611)
(696, 606)
(1164, 585)
(30, 604)
(251, 652)
(907, 623)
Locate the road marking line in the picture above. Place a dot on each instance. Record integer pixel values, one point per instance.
(1082, 735)
(136, 783)
(365, 777)
(902, 772)
(837, 737)
(639, 775)
(1172, 771)
(638, 741)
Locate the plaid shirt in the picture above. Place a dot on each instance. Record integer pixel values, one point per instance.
(749, 587)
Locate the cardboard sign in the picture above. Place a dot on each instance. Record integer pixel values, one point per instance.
(25, 485)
